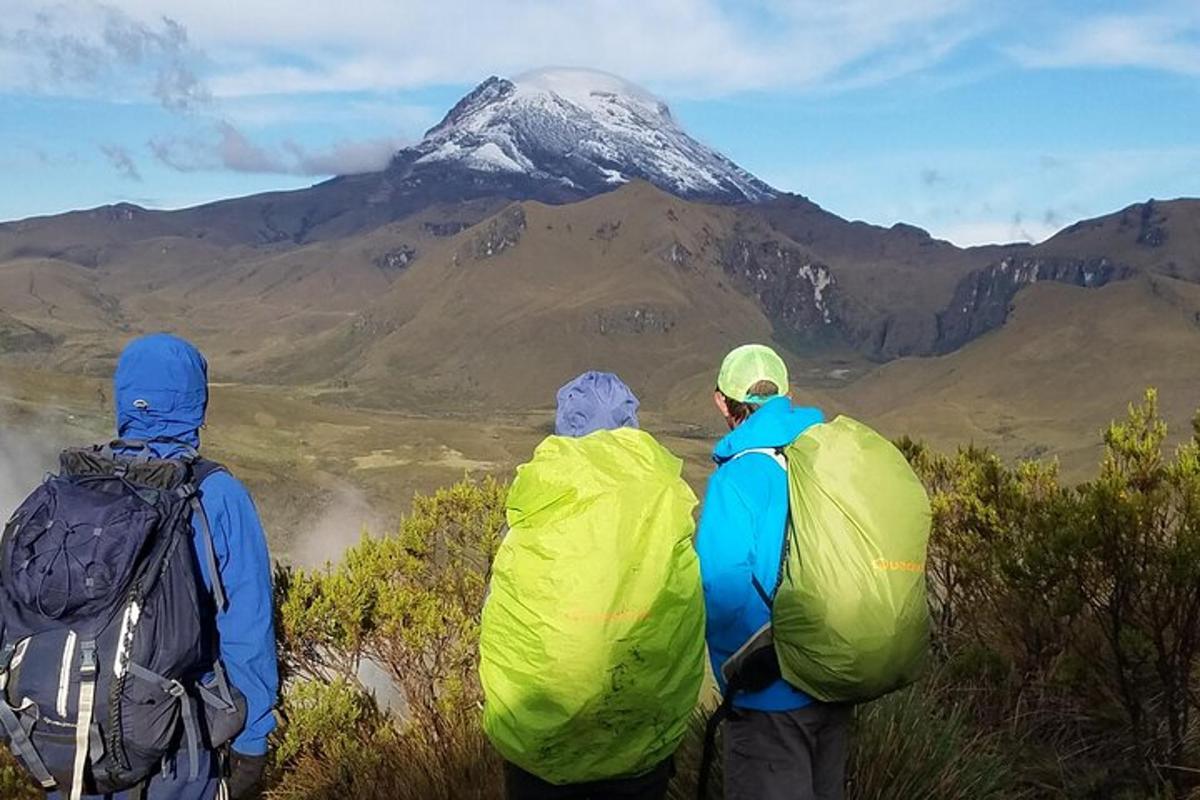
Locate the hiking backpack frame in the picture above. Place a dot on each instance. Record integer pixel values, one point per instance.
(108, 642)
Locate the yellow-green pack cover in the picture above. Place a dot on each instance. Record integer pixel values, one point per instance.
(850, 617)
(592, 645)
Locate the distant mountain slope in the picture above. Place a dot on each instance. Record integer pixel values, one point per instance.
(490, 302)
(536, 293)
(1049, 381)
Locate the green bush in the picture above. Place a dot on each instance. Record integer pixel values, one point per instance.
(406, 607)
(15, 783)
(1081, 604)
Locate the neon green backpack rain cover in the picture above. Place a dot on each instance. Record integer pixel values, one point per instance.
(592, 643)
(850, 617)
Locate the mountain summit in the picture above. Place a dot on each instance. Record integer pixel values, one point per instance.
(581, 131)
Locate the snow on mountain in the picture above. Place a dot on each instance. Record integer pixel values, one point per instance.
(585, 130)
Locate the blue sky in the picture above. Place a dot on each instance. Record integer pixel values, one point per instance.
(979, 121)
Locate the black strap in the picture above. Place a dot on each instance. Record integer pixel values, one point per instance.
(762, 593)
(203, 469)
(140, 449)
(710, 736)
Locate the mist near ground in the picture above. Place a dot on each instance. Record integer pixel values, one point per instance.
(25, 459)
(344, 519)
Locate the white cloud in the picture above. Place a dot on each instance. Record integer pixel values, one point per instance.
(680, 47)
(969, 234)
(344, 157)
(683, 47)
(1166, 39)
(226, 147)
(98, 48)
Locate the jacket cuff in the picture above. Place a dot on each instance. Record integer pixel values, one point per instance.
(250, 745)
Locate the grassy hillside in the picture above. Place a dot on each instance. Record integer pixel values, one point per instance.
(1045, 384)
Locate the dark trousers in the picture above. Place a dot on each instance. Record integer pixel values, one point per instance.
(787, 755)
(521, 785)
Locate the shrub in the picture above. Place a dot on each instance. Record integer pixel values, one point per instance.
(1082, 605)
(406, 606)
(15, 783)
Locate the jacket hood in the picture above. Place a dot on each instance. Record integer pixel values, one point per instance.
(776, 424)
(161, 393)
(595, 401)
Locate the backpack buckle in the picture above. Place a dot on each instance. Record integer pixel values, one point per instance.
(87, 658)
(175, 689)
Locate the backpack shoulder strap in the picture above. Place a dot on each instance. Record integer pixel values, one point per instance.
(776, 454)
(768, 598)
(202, 470)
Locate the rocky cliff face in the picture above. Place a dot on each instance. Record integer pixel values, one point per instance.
(810, 307)
(984, 298)
(799, 294)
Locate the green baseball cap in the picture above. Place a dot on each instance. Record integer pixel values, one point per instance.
(746, 366)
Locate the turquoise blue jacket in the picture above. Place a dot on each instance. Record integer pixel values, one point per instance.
(741, 538)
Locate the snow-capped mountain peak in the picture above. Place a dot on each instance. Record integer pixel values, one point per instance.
(583, 130)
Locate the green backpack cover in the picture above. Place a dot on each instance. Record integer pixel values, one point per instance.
(592, 641)
(850, 617)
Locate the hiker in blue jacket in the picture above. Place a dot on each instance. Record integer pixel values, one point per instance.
(778, 743)
(161, 390)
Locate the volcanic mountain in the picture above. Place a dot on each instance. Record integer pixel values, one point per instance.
(556, 136)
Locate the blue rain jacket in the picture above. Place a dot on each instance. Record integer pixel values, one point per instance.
(161, 391)
(741, 538)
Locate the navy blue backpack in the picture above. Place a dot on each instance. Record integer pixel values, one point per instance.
(108, 642)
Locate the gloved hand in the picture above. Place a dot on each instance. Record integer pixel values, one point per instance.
(245, 775)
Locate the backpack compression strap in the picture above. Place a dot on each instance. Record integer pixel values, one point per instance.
(83, 722)
(18, 736)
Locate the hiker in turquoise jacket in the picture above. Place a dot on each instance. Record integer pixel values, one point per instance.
(779, 742)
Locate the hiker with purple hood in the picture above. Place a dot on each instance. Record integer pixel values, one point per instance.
(595, 401)
(596, 577)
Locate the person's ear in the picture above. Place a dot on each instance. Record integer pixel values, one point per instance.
(723, 407)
